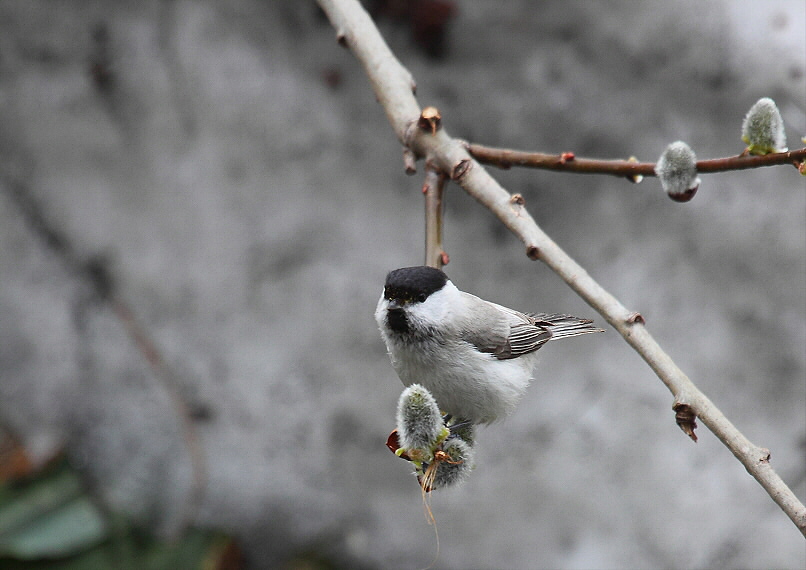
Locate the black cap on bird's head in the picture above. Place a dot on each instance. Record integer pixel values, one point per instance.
(413, 284)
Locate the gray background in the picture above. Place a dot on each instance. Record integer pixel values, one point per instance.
(247, 212)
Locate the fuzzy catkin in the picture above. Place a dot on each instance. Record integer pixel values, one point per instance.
(419, 421)
(458, 465)
(763, 128)
(677, 171)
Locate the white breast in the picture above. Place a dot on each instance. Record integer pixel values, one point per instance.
(465, 383)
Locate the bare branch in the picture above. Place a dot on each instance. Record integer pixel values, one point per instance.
(630, 169)
(392, 85)
(170, 384)
(433, 188)
(95, 272)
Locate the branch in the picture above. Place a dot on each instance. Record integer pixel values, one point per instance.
(433, 188)
(95, 272)
(392, 85)
(631, 169)
(162, 372)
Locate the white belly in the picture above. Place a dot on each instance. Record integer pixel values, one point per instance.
(465, 383)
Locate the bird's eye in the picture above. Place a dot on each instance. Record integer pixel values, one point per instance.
(421, 298)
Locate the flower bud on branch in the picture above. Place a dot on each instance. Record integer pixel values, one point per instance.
(442, 454)
(677, 171)
(419, 423)
(451, 465)
(763, 128)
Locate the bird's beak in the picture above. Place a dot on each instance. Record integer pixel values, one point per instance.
(394, 305)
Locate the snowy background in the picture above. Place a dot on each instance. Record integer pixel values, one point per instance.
(222, 169)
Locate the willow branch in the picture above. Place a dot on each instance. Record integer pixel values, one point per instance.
(631, 169)
(170, 384)
(392, 84)
(96, 274)
(433, 189)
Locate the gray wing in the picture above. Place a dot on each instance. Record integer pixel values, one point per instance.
(500, 331)
(563, 326)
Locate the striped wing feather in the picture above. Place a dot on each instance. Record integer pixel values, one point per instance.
(514, 334)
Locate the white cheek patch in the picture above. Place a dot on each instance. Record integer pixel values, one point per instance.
(438, 308)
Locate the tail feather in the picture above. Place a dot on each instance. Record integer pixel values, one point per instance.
(564, 326)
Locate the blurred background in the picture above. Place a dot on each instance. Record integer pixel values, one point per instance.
(206, 195)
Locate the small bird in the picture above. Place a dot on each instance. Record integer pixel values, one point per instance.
(475, 357)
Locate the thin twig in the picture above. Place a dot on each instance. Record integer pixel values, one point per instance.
(433, 189)
(95, 273)
(392, 85)
(164, 375)
(567, 162)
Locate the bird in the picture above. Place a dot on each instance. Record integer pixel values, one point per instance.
(474, 356)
